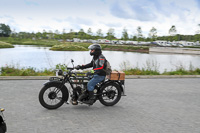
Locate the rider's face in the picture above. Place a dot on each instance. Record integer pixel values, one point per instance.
(92, 51)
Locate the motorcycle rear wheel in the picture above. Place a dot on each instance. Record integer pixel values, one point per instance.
(52, 97)
(110, 94)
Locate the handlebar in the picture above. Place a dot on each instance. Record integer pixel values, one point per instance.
(70, 68)
(70, 73)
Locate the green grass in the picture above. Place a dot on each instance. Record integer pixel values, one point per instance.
(40, 42)
(152, 68)
(14, 71)
(182, 71)
(179, 71)
(71, 46)
(125, 48)
(137, 71)
(5, 45)
(68, 47)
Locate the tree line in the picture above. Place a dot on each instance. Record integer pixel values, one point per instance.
(5, 31)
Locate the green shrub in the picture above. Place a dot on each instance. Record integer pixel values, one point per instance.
(12, 71)
(138, 71)
(61, 66)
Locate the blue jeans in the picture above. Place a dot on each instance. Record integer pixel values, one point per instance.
(96, 79)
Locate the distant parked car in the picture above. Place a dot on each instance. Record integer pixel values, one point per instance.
(3, 127)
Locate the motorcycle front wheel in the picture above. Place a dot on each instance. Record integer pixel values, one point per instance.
(110, 94)
(52, 96)
(3, 127)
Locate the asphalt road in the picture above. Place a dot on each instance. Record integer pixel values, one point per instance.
(151, 106)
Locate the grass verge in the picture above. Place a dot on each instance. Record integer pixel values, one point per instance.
(13, 71)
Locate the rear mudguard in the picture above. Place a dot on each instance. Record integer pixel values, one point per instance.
(62, 87)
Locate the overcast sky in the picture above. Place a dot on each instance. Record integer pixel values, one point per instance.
(36, 15)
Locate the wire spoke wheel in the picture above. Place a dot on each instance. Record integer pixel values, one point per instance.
(110, 94)
(52, 97)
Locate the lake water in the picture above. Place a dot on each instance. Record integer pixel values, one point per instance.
(42, 57)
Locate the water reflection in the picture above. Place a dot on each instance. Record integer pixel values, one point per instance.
(42, 57)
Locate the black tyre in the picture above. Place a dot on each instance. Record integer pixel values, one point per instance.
(3, 128)
(110, 94)
(52, 96)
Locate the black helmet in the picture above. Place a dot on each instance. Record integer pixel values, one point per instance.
(94, 47)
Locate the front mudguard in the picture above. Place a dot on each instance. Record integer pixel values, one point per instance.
(62, 87)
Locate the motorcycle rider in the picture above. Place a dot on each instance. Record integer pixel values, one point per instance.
(98, 64)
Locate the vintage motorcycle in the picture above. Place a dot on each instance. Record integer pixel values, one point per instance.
(3, 127)
(55, 92)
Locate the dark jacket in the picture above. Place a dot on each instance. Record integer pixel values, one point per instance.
(98, 64)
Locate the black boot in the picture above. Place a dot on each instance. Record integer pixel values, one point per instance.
(82, 96)
(91, 98)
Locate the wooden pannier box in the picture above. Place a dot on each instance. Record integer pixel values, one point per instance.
(117, 75)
